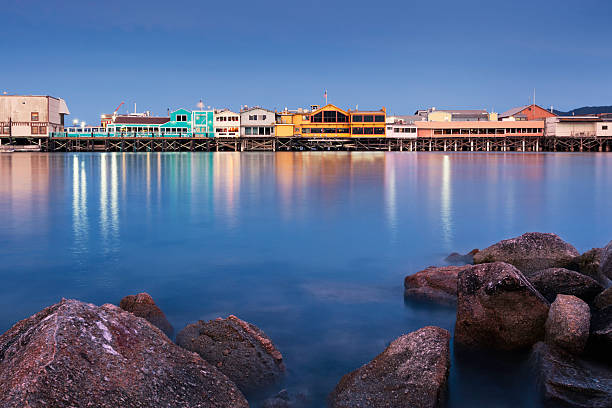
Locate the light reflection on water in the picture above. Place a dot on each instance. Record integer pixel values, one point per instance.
(311, 247)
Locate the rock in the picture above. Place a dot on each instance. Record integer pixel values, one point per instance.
(457, 258)
(497, 308)
(589, 264)
(569, 381)
(604, 299)
(411, 372)
(605, 266)
(600, 340)
(239, 349)
(568, 323)
(553, 281)
(530, 252)
(142, 305)
(74, 354)
(284, 399)
(434, 283)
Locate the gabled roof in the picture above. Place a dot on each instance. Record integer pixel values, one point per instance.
(256, 107)
(326, 106)
(513, 111)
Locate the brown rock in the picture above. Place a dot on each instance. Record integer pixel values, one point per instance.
(600, 340)
(569, 381)
(568, 323)
(411, 372)
(553, 281)
(498, 308)
(530, 252)
(239, 349)
(604, 299)
(142, 305)
(589, 264)
(434, 283)
(74, 354)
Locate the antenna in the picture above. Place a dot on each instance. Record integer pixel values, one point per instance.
(534, 97)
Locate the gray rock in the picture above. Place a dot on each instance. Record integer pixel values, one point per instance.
(553, 281)
(142, 305)
(530, 252)
(568, 324)
(411, 372)
(569, 381)
(600, 340)
(604, 299)
(74, 354)
(438, 284)
(239, 349)
(497, 308)
(458, 259)
(605, 265)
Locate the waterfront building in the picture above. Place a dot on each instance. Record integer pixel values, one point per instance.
(257, 121)
(587, 126)
(456, 115)
(474, 129)
(31, 115)
(226, 123)
(526, 112)
(401, 126)
(368, 123)
(180, 123)
(324, 122)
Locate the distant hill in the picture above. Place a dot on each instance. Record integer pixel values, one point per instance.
(585, 110)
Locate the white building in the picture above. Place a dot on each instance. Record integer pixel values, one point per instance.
(227, 123)
(31, 115)
(257, 121)
(578, 126)
(400, 126)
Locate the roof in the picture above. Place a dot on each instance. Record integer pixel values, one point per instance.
(255, 107)
(361, 112)
(141, 120)
(462, 111)
(483, 124)
(513, 111)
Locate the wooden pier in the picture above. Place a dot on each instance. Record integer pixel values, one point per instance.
(250, 144)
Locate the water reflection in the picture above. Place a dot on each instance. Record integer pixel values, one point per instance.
(80, 224)
(446, 204)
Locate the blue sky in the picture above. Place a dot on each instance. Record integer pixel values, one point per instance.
(400, 54)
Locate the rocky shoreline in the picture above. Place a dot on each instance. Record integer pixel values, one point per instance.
(533, 292)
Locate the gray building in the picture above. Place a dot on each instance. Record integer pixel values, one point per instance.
(257, 121)
(31, 115)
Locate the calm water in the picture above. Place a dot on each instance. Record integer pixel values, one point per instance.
(311, 247)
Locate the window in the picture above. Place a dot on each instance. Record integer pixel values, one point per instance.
(6, 130)
(329, 130)
(329, 116)
(357, 118)
(358, 131)
(247, 131)
(263, 117)
(306, 117)
(181, 118)
(315, 130)
(368, 118)
(604, 127)
(305, 130)
(252, 117)
(379, 118)
(267, 130)
(34, 130)
(318, 118)
(342, 118)
(34, 116)
(343, 130)
(42, 130)
(379, 130)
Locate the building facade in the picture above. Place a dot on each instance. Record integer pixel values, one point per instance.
(474, 129)
(526, 112)
(579, 126)
(226, 123)
(31, 115)
(257, 121)
(398, 126)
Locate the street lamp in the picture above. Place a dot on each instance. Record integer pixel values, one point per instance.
(82, 124)
(75, 122)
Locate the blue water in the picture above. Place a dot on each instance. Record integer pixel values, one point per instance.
(310, 247)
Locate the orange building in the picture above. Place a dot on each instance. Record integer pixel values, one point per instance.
(527, 112)
(332, 121)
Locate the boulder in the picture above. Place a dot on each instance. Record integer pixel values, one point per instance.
(604, 299)
(74, 354)
(589, 264)
(285, 399)
(567, 380)
(411, 372)
(142, 305)
(568, 323)
(605, 266)
(497, 308)
(239, 349)
(600, 340)
(553, 281)
(458, 259)
(434, 283)
(530, 252)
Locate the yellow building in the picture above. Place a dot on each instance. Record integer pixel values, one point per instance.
(331, 121)
(284, 124)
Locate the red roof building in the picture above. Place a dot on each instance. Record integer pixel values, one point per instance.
(527, 112)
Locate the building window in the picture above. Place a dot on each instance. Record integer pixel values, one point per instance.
(343, 130)
(380, 118)
(34, 130)
(357, 118)
(42, 130)
(368, 118)
(34, 116)
(379, 130)
(358, 131)
(342, 118)
(604, 127)
(305, 117)
(263, 117)
(329, 116)
(368, 131)
(181, 118)
(6, 130)
(318, 118)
